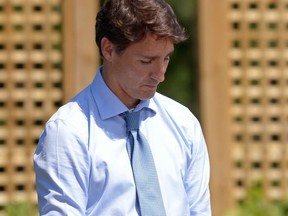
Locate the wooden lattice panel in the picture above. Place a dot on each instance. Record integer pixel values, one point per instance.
(258, 72)
(30, 88)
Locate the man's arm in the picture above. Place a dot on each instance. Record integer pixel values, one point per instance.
(198, 175)
(61, 165)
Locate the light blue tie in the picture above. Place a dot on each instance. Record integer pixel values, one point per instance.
(145, 174)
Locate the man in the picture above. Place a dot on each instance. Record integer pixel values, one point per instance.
(86, 160)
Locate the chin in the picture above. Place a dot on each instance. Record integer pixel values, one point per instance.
(147, 96)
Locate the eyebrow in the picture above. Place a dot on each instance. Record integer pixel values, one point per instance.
(155, 57)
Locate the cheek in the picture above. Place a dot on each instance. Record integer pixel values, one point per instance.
(129, 79)
(137, 74)
(134, 73)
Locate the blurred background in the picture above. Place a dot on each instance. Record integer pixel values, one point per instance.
(232, 73)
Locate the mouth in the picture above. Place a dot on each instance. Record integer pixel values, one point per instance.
(151, 86)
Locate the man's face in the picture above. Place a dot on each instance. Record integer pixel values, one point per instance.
(135, 73)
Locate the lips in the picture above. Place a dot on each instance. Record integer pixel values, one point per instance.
(151, 87)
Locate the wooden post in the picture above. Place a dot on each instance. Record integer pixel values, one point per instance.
(81, 57)
(213, 100)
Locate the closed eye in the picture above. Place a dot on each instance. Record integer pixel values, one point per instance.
(146, 61)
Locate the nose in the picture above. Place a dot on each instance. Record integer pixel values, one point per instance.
(159, 71)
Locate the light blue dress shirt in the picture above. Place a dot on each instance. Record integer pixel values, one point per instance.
(82, 165)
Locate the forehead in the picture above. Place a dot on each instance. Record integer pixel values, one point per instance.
(152, 44)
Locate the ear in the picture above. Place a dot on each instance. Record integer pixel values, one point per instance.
(107, 48)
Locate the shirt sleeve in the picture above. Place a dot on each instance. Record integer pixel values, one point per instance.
(198, 174)
(61, 164)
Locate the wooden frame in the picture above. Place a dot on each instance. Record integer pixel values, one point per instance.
(213, 100)
(81, 57)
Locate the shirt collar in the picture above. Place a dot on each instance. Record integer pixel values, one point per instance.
(109, 105)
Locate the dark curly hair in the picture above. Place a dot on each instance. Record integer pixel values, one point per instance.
(128, 21)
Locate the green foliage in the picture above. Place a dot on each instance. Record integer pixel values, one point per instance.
(256, 205)
(181, 81)
(283, 207)
(21, 209)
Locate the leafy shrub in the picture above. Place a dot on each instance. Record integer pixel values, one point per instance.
(21, 209)
(255, 204)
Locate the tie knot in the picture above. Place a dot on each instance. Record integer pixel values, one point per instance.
(132, 120)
